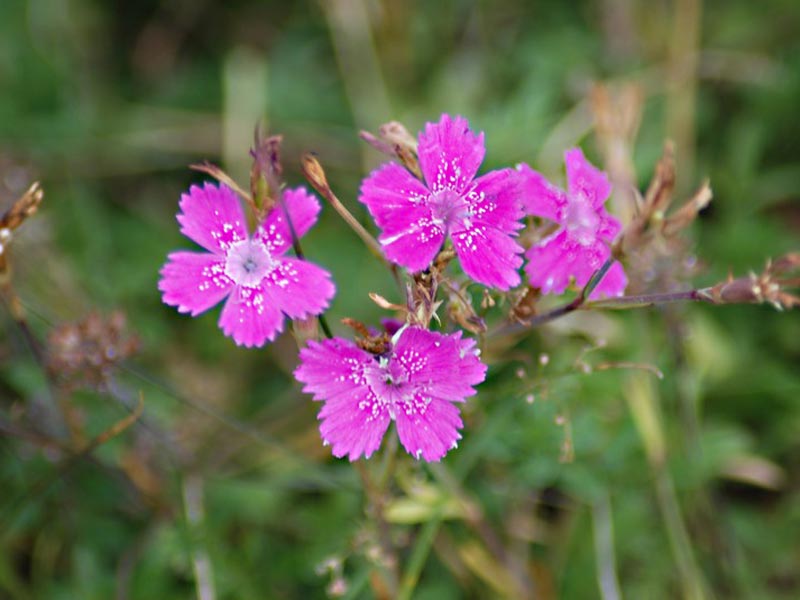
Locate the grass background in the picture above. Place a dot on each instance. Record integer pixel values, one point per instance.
(106, 103)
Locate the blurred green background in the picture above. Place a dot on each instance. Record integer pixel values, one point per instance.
(579, 478)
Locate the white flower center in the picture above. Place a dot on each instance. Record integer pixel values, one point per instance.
(448, 208)
(582, 221)
(248, 262)
(389, 382)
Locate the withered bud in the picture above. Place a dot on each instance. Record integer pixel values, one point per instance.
(487, 301)
(380, 145)
(25, 206)
(422, 303)
(659, 193)
(756, 289)
(460, 310)
(443, 259)
(525, 306)
(395, 141)
(315, 174)
(266, 174)
(375, 343)
(409, 160)
(305, 329)
(686, 214)
(396, 134)
(651, 221)
(84, 352)
(385, 304)
(221, 176)
(786, 263)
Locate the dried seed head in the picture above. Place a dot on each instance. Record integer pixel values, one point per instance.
(266, 173)
(84, 353)
(25, 206)
(767, 286)
(395, 141)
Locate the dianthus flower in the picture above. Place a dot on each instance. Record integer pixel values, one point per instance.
(580, 246)
(414, 383)
(481, 215)
(260, 283)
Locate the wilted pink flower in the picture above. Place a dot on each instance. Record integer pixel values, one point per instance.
(260, 283)
(480, 215)
(414, 383)
(580, 246)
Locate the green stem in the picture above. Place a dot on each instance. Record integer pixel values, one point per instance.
(419, 555)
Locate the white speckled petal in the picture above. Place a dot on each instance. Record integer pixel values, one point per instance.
(450, 153)
(249, 318)
(194, 281)
(353, 419)
(212, 216)
(299, 288)
(301, 207)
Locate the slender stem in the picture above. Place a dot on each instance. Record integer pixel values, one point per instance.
(376, 501)
(619, 303)
(298, 250)
(642, 300)
(195, 516)
(690, 575)
(605, 559)
(419, 555)
(348, 217)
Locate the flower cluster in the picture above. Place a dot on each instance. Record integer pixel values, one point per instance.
(432, 207)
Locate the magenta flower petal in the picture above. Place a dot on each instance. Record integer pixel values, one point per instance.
(548, 265)
(212, 217)
(193, 281)
(494, 200)
(586, 260)
(584, 180)
(414, 383)
(354, 426)
(353, 419)
(449, 153)
(416, 247)
(609, 227)
(428, 427)
(249, 318)
(488, 256)
(389, 193)
(299, 288)
(539, 196)
(302, 208)
(332, 368)
(427, 355)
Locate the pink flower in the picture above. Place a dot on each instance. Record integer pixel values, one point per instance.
(480, 215)
(414, 383)
(580, 246)
(260, 283)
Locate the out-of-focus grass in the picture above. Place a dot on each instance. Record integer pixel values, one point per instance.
(107, 103)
